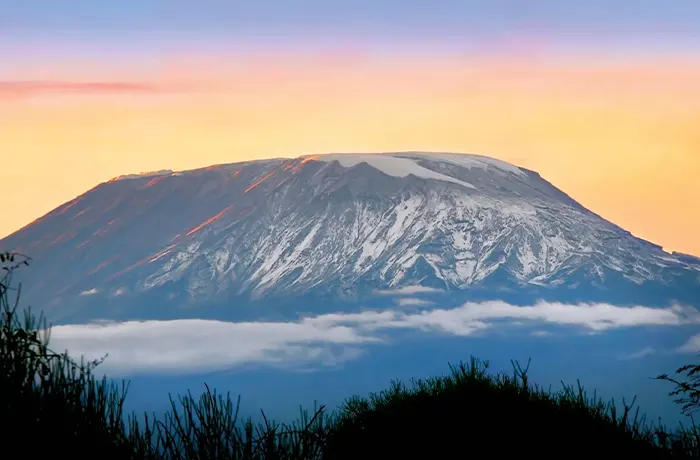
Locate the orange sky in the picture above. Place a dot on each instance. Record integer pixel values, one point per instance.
(623, 139)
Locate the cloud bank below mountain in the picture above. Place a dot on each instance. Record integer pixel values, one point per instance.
(330, 339)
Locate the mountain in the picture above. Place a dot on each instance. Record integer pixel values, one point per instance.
(280, 236)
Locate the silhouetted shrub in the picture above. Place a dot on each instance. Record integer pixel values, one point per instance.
(46, 395)
(471, 414)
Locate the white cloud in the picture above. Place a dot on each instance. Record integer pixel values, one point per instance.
(692, 345)
(202, 344)
(408, 290)
(92, 291)
(191, 345)
(638, 354)
(540, 333)
(413, 302)
(597, 317)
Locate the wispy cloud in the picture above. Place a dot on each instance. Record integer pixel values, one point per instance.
(692, 345)
(119, 292)
(597, 316)
(92, 291)
(647, 351)
(413, 302)
(197, 345)
(24, 88)
(408, 290)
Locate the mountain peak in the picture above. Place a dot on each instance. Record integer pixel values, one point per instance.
(335, 227)
(397, 164)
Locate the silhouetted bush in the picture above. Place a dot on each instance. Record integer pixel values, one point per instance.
(471, 414)
(47, 396)
(687, 393)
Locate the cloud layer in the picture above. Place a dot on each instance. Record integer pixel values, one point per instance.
(201, 345)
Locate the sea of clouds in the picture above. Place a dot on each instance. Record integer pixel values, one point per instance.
(190, 345)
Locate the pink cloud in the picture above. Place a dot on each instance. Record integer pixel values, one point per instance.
(22, 88)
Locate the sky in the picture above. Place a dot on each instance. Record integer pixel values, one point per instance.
(601, 98)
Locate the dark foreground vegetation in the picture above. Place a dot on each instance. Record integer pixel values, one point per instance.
(469, 413)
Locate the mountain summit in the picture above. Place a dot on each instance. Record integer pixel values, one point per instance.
(299, 233)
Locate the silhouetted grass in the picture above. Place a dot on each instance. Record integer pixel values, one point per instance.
(469, 413)
(209, 428)
(46, 395)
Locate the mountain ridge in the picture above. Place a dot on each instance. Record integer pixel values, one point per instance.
(340, 226)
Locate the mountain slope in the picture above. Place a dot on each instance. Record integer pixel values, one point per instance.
(334, 227)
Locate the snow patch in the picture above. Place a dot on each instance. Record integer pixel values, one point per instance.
(468, 161)
(391, 165)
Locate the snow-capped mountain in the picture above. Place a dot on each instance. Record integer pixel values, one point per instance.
(334, 228)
